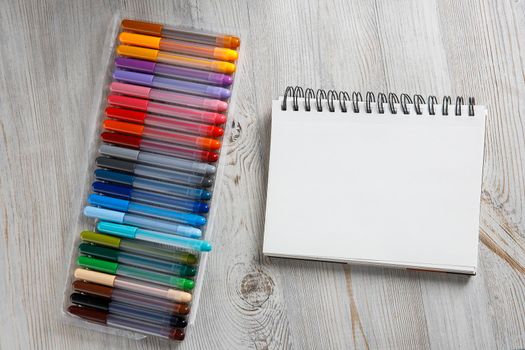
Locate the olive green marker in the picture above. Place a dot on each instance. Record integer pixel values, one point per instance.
(140, 247)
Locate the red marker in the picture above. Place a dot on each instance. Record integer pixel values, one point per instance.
(161, 135)
(127, 115)
(166, 109)
(159, 147)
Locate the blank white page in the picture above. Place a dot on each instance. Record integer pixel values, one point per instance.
(399, 190)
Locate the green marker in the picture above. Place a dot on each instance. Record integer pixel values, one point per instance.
(134, 272)
(140, 247)
(116, 255)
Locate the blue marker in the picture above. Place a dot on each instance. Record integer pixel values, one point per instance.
(126, 231)
(148, 210)
(128, 192)
(142, 221)
(152, 185)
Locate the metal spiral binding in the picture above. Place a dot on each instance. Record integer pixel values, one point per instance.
(331, 96)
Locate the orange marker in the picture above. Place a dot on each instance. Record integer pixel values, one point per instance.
(154, 42)
(178, 60)
(163, 135)
(231, 42)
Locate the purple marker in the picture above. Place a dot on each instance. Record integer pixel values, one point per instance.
(171, 84)
(173, 71)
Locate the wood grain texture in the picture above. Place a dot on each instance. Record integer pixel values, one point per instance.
(49, 60)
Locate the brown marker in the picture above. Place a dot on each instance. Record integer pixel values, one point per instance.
(125, 296)
(124, 322)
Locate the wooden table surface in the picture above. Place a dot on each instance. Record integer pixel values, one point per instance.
(49, 62)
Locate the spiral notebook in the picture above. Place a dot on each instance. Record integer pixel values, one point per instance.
(383, 180)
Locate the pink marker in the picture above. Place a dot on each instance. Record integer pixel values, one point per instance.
(166, 109)
(167, 96)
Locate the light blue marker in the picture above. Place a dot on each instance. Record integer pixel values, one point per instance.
(142, 221)
(148, 210)
(126, 231)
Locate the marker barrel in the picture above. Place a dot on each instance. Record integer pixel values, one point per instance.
(161, 135)
(137, 260)
(177, 46)
(147, 210)
(153, 250)
(148, 28)
(183, 86)
(127, 192)
(157, 159)
(150, 171)
(168, 70)
(168, 96)
(127, 115)
(195, 115)
(159, 147)
(127, 231)
(142, 221)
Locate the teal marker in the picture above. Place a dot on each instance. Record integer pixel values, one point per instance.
(126, 231)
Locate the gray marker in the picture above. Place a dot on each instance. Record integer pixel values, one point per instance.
(157, 159)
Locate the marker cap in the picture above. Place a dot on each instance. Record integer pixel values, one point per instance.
(223, 67)
(123, 127)
(128, 102)
(232, 42)
(116, 164)
(142, 27)
(119, 152)
(137, 52)
(97, 264)
(133, 77)
(126, 115)
(108, 202)
(136, 65)
(88, 313)
(153, 42)
(112, 190)
(93, 289)
(119, 139)
(89, 300)
(104, 214)
(95, 277)
(98, 251)
(117, 230)
(108, 175)
(93, 237)
(129, 89)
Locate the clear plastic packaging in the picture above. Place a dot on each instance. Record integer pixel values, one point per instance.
(157, 251)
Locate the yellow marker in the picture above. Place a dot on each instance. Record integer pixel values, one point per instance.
(178, 60)
(186, 48)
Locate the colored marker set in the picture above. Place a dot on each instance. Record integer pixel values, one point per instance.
(137, 267)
